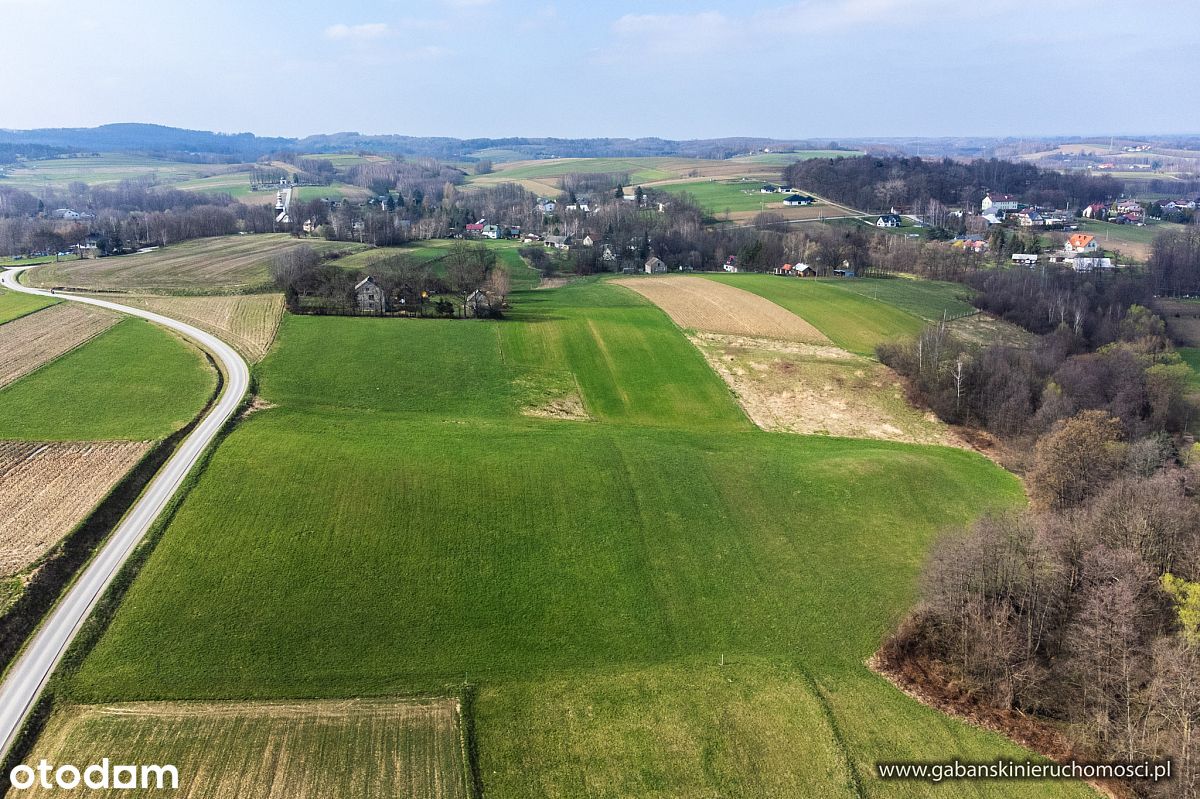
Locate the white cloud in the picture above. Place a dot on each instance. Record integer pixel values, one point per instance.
(367, 30)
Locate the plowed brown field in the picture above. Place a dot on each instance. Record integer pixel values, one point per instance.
(248, 322)
(705, 305)
(47, 489)
(33, 341)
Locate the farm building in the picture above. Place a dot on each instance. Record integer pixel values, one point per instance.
(369, 296)
(796, 270)
(1025, 259)
(655, 266)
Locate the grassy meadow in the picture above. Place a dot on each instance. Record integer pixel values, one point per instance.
(14, 305)
(927, 299)
(134, 382)
(57, 173)
(402, 527)
(851, 319)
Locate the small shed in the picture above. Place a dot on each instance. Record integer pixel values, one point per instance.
(369, 296)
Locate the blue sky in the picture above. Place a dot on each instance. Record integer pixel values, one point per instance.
(808, 68)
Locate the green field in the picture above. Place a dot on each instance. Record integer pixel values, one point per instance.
(1110, 235)
(433, 251)
(135, 382)
(1191, 356)
(716, 196)
(56, 173)
(927, 299)
(783, 159)
(400, 527)
(14, 305)
(852, 320)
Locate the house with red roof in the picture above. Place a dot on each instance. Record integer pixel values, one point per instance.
(1082, 243)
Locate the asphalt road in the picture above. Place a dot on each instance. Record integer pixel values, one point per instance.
(28, 675)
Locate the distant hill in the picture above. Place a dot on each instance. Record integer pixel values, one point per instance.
(180, 143)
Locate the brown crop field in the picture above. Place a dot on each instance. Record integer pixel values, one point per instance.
(818, 390)
(247, 321)
(33, 341)
(269, 750)
(705, 305)
(47, 489)
(223, 265)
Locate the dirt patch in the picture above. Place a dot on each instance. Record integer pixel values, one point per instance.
(819, 390)
(256, 405)
(695, 303)
(47, 489)
(552, 395)
(552, 282)
(28, 343)
(248, 322)
(983, 330)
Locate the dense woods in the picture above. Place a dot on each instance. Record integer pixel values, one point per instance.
(877, 183)
(1083, 610)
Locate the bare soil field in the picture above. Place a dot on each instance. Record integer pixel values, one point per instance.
(270, 750)
(818, 390)
(35, 340)
(47, 489)
(711, 307)
(247, 321)
(222, 265)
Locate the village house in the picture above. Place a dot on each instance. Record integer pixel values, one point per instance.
(888, 220)
(492, 232)
(1081, 243)
(1030, 218)
(655, 266)
(591, 240)
(474, 229)
(769, 188)
(369, 296)
(1095, 211)
(546, 206)
(999, 202)
(478, 303)
(559, 242)
(1025, 259)
(731, 264)
(798, 199)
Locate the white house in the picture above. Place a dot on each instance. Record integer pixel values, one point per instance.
(999, 202)
(1082, 243)
(888, 220)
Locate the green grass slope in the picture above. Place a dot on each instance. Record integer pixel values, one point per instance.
(396, 526)
(134, 382)
(14, 305)
(851, 320)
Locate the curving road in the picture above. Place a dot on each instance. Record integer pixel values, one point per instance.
(29, 673)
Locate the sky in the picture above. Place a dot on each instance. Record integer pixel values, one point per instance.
(681, 70)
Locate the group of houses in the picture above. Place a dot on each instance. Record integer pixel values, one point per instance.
(1122, 212)
(1080, 252)
(371, 298)
(1000, 209)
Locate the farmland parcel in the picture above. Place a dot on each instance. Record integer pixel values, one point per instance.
(660, 602)
(46, 489)
(28, 343)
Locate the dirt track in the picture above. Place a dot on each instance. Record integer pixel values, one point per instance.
(695, 303)
(33, 341)
(47, 489)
